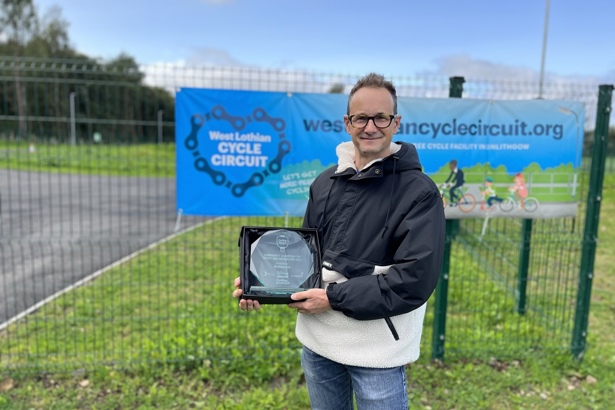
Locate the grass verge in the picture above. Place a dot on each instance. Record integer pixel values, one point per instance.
(161, 331)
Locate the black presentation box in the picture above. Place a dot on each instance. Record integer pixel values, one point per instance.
(276, 262)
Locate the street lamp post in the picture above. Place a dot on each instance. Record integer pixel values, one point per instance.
(579, 146)
(544, 48)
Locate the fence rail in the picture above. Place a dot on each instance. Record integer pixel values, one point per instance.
(154, 286)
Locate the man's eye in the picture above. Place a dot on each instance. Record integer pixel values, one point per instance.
(382, 117)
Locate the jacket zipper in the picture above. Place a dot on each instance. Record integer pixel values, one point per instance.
(391, 327)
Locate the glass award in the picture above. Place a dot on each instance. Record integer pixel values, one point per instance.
(277, 262)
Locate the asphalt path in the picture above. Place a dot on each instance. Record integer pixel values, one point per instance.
(56, 229)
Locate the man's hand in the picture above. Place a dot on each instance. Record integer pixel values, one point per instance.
(316, 301)
(244, 304)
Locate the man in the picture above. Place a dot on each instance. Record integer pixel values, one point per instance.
(456, 179)
(381, 224)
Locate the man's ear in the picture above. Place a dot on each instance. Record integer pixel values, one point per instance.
(397, 123)
(347, 124)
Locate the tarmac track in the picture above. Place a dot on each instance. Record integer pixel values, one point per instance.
(56, 229)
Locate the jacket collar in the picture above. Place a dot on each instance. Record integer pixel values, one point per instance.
(345, 154)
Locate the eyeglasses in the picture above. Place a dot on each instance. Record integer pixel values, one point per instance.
(380, 120)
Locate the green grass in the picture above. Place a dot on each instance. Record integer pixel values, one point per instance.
(153, 160)
(162, 332)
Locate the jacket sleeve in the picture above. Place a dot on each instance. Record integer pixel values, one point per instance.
(319, 192)
(411, 279)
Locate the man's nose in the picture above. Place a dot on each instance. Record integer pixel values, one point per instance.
(372, 127)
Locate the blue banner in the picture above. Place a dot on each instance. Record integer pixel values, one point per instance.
(256, 153)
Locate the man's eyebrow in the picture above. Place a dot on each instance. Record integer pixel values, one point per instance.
(378, 113)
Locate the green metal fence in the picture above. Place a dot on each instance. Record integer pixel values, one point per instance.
(97, 267)
(535, 266)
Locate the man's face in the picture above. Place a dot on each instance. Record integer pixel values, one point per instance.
(370, 141)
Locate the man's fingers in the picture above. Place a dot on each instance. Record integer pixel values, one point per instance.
(247, 304)
(299, 296)
(237, 293)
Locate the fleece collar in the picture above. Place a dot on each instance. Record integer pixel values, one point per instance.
(345, 154)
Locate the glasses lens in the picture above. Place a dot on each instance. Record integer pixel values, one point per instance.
(359, 121)
(382, 120)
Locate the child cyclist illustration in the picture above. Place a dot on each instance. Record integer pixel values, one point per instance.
(490, 195)
(519, 189)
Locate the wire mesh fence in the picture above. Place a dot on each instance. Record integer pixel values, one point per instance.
(492, 308)
(98, 267)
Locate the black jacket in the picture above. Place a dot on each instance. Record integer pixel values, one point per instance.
(388, 214)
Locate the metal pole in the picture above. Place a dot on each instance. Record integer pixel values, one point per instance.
(544, 48)
(439, 321)
(579, 147)
(452, 226)
(524, 263)
(160, 113)
(455, 91)
(73, 126)
(592, 218)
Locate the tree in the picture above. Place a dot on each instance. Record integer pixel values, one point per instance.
(18, 22)
(51, 40)
(44, 71)
(25, 36)
(337, 88)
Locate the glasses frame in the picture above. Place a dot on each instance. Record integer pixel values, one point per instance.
(373, 119)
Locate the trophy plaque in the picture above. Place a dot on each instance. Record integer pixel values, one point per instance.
(277, 262)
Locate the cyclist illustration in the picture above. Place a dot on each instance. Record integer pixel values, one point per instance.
(519, 189)
(490, 195)
(455, 180)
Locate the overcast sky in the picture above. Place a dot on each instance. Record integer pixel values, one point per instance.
(471, 38)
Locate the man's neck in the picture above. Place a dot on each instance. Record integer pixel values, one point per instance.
(360, 161)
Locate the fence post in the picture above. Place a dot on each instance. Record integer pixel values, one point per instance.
(452, 227)
(439, 322)
(524, 263)
(73, 127)
(455, 91)
(592, 217)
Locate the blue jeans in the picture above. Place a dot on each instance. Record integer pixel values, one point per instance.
(331, 385)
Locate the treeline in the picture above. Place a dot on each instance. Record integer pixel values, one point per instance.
(49, 91)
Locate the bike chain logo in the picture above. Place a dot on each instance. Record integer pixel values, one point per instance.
(238, 123)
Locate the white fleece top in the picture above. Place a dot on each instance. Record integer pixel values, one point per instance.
(365, 343)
